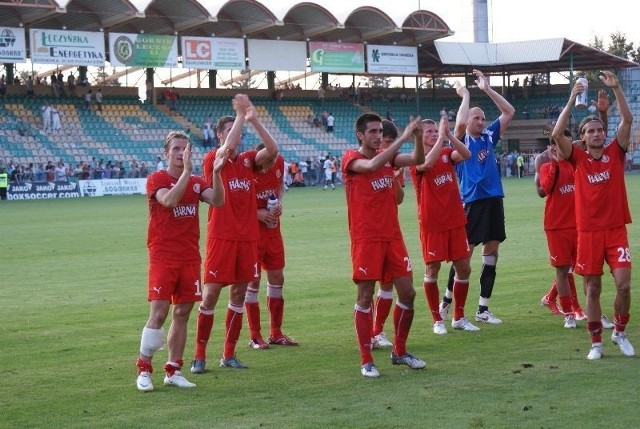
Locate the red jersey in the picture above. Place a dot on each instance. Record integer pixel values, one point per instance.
(371, 201)
(269, 183)
(601, 194)
(556, 180)
(439, 202)
(174, 233)
(237, 219)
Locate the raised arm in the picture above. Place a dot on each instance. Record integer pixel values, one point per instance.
(507, 111)
(540, 159)
(235, 133)
(387, 155)
(270, 149)
(460, 151)
(433, 154)
(564, 142)
(215, 195)
(603, 108)
(417, 156)
(171, 197)
(463, 111)
(623, 134)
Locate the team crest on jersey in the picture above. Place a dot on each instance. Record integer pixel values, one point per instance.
(278, 173)
(196, 188)
(605, 158)
(246, 162)
(445, 158)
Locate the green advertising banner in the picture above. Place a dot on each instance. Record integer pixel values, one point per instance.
(337, 57)
(143, 50)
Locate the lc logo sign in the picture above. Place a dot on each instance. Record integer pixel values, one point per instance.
(197, 50)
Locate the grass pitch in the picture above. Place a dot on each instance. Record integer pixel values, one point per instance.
(74, 302)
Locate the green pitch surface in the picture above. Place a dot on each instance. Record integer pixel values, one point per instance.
(73, 301)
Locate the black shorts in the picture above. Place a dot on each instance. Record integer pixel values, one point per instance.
(485, 221)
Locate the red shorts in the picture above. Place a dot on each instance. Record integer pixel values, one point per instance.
(450, 245)
(595, 247)
(178, 283)
(380, 260)
(229, 262)
(563, 246)
(271, 252)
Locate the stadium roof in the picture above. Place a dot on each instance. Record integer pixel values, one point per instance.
(286, 20)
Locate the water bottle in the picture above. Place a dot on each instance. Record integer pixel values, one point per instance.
(272, 202)
(583, 98)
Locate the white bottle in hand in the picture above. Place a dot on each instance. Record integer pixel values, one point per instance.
(272, 203)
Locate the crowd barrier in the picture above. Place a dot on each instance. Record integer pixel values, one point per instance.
(82, 188)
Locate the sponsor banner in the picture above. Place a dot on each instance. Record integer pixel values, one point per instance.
(277, 55)
(100, 188)
(12, 45)
(393, 60)
(143, 50)
(336, 57)
(43, 191)
(77, 48)
(212, 53)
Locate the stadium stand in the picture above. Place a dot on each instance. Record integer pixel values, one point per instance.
(127, 129)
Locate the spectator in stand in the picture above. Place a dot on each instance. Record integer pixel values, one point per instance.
(85, 171)
(54, 85)
(99, 170)
(60, 82)
(107, 170)
(71, 84)
(30, 92)
(172, 100)
(16, 176)
(159, 164)
(28, 173)
(144, 171)
(324, 117)
(60, 172)
(3, 87)
(87, 100)
(330, 122)
(207, 132)
(134, 170)
(99, 100)
(321, 95)
(45, 114)
(149, 92)
(70, 171)
(55, 118)
(123, 171)
(50, 170)
(38, 172)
